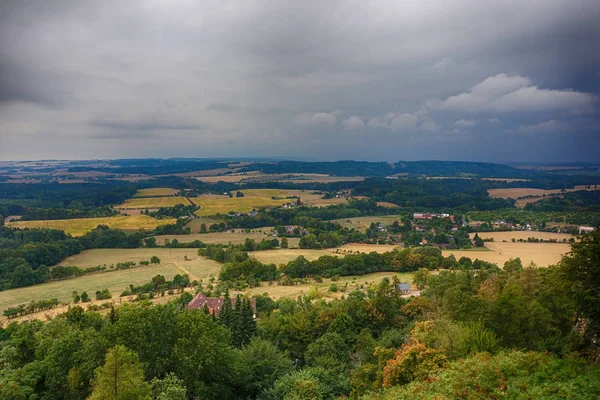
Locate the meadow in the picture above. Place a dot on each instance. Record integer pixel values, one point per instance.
(541, 254)
(362, 223)
(236, 237)
(115, 281)
(153, 202)
(320, 290)
(155, 192)
(80, 226)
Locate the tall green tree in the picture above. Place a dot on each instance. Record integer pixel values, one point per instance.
(580, 269)
(120, 378)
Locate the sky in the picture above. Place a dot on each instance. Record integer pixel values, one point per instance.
(495, 81)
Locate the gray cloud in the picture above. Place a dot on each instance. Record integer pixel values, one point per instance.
(465, 123)
(214, 78)
(353, 123)
(504, 93)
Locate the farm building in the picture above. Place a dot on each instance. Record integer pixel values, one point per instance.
(585, 229)
(403, 288)
(215, 304)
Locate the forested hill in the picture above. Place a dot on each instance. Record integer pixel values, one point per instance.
(365, 168)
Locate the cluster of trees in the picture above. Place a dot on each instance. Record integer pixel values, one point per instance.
(75, 209)
(264, 244)
(25, 254)
(32, 307)
(539, 218)
(177, 211)
(223, 254)
(239, 267)
(457, 194)
(518, 332)
(159, 284)
(75, 196)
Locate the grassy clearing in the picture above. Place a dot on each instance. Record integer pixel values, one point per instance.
(196, 223)
(362, 223)
(115, 281)
(283, 256)
(172, 263)
(80, 226)
(236, 237)
(321, 289)
(153, 202)
(155, 192)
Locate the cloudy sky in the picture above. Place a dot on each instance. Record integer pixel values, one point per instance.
(371, 80)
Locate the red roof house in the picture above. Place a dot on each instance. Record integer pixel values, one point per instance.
(215, 304)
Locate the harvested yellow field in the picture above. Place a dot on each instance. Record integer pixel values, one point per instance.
(80, 226)
(541, 254)
(153, 202)
(321, 289)
(155, 192)
(509, 235)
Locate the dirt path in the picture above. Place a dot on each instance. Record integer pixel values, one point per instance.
(186, 271)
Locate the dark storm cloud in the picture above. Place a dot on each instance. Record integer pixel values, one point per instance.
(337, 79)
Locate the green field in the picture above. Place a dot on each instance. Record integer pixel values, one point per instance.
(354, 282)
(237, 237)
(155, 192)
(199, 266)
(80, 226)
(283, 256)
(153, 202)
(362, 223)
(115, 281)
